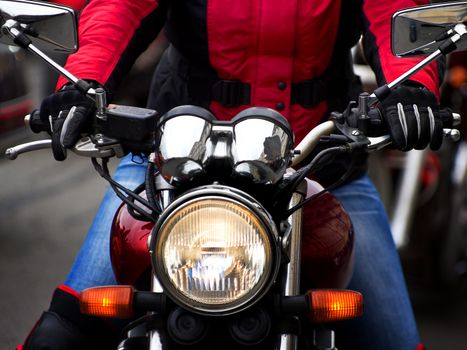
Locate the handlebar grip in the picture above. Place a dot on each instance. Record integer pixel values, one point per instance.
(35, 122)
(376, 118)
(375, 124)
(449, 118)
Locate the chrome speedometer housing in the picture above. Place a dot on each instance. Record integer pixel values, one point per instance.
(215, 250)
(255, 146)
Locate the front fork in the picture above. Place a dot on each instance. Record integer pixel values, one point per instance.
(165, 197)
(292, 246)
(292, 243)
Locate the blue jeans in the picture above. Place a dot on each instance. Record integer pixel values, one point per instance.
(388, 321)
(92, 266)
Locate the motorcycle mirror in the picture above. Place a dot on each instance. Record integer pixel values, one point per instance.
(50, 27)
(420, 30)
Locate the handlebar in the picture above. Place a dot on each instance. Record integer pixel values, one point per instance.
(117, 131)
(124, 126)
(372, 124)
(35, 123)
(374, 128)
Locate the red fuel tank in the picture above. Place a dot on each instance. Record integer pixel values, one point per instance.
(328, 241)
(129, 246)
(327, 245)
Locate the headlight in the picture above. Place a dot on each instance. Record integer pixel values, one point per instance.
(214, 255)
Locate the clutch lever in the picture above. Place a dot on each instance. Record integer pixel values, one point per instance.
(84, 148)
(98, 146)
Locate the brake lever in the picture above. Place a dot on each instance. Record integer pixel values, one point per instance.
(378, 143)
(13, 152)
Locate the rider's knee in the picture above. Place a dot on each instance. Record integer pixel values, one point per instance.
(64, 327)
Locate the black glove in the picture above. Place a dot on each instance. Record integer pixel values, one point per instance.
(67, 114)
(412, 116)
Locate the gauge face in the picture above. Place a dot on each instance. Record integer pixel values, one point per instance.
(213, 255)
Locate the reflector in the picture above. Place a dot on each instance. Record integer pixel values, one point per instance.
(334, 305)
(112, 301)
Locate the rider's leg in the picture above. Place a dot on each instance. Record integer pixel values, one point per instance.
(388, 321)
(92, 266)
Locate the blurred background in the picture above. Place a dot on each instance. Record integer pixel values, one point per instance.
(47, 206)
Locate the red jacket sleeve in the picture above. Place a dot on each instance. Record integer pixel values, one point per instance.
(377, 41)
(106, 31)
(77, 5)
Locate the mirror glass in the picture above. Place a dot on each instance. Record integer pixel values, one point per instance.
(50, 27)
(420, 30)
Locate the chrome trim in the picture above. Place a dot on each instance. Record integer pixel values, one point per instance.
(155, 341)
(310, 141)
(288, 342)
(292, 282)
(13, 152)
(292, 278)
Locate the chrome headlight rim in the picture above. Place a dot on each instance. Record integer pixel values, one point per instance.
(235, 196)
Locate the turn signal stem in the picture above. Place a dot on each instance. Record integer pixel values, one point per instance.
(149, 301)
(295, 305)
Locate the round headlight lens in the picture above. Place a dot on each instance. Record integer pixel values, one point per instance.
(215, 254)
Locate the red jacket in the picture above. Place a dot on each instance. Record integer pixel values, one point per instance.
(77, 5)
(266, 44)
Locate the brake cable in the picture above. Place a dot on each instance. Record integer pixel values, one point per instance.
(131, 197)
(334, 185)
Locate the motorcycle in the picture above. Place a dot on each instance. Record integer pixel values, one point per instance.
(213, 237)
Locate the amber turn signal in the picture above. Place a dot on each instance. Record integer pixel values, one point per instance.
(334, 305)
(112, 301)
